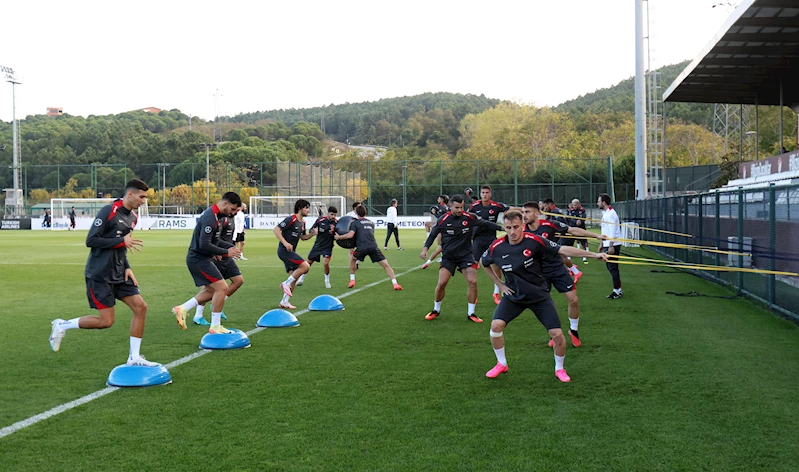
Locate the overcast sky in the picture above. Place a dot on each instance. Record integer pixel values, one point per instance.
(97, 58)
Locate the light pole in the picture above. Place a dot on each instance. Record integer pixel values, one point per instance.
(207, 147)
(9, 74)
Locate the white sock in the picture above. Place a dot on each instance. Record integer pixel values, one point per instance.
(352, 276)
(289, 280)
(302, 278)
(437, 306)
(394, 281)
(496, 289)
(135, 346)
(501, 356)
(226, 297)
(429, 261)
(192, 303)
(574, 270)
(216, 318)
(573, 322)
(559, 362)
(199, 312)
(285, 299)
(69, 324)
(471, 308)
(428, 234)
(617, 290)
(327, 277)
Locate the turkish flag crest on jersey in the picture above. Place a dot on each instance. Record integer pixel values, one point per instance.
(527, 253)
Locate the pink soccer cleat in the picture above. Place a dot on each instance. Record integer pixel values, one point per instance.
(498, 369)
(577, 277)
(425, 265)
(497, 298)
(561, 375)
(286, 288)
(551, 342)
(287, 305)
(351, 284)
(397, 287)
(575, 338)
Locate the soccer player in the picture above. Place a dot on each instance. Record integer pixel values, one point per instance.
(550, 207)
(518, 255)
(456, 228)
(72, 217)
(238, 235)
(325, 226)
(353, 213)
(363, 230)
(205, 246)
(288, 233)
(611, 227)
(354, 216)
(578, 215)
(48, 219)
(436, 212)
(486, 209)
(552, 266)
(391, 223)
(227, 267)
(108, 273)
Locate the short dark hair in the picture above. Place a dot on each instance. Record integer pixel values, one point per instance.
(232, 197)
(136, 184)
(332, 209)
(549, 200)
(531, 205)
(605, 198)
(513, 215)
(356, 205)
(393, 201)
(485, 187)
(361, 211)
(475, 198)
(456, 199)
(445, 198)
(300, 204)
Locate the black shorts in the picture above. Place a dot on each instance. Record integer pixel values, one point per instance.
(102, 294)
(375, 254)
(566, 241)
(318, 254)
(227, 267)
(291, 260)
(563, 281)
(480, 245)
(453, 265)
(544, 310)
(239, 238)
(203, 270)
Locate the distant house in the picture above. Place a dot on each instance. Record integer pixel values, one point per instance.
(55, 111)
(151, 110)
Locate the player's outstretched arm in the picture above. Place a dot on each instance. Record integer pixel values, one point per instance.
(573, 230)
(574, 252)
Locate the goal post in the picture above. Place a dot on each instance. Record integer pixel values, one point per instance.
(265, 211)
(86, 210)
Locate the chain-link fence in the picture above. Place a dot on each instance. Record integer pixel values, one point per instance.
(763, 222)
(182, 188)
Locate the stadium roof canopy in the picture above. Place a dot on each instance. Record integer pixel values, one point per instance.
(753, 57)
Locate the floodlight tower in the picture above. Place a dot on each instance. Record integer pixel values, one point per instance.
(14, 204)
(640, 99)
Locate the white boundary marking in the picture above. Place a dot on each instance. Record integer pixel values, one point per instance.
(11, 429)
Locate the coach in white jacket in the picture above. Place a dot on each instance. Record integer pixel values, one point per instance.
(611, 227)
(391, 224)
(238, 232)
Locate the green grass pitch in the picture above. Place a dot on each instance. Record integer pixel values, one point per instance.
(660, 383)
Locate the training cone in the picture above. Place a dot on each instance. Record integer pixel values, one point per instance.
(278, 318)
(138, 376)
(236, 339)
(326, 303)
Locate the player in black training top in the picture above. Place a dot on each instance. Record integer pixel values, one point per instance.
(436, 211)
(207, 245)
(456, 228)
(325, 227)
(557, 216)
(363, 230)
(108, 274)
(578, 217)
(227, 267)
(486, 209)
(552, 266)
(288, 233)
(72, 217)
(519, 255)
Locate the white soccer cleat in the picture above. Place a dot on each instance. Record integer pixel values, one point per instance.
(242, 257)
(327, 284)
(141, 361)
(56, 334)
(300, 281)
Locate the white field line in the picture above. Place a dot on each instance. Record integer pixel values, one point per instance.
(11, 429)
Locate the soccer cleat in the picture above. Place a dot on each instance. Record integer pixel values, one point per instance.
(56, 335)
(300, 281)
(474, 318)
(286, 288)
(439, 259)
(180, 315)
(497, 298)
(219, 329)
(498, 369)
(351, 284)
(287, 305)
(397, 287)
(425, 265)
(551, 342)
(201, 321)
(575, 338)
(562, 375)
(400, 249)
(585, 261)
(385, 248)
(432, 315)
(577, 276)
(327, 284)
(614, 295)
(243, 258)
(141, 361)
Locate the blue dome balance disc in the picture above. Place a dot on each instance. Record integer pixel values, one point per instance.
(277, 318)
(326, 303)
(236, 339)
(138, 376)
